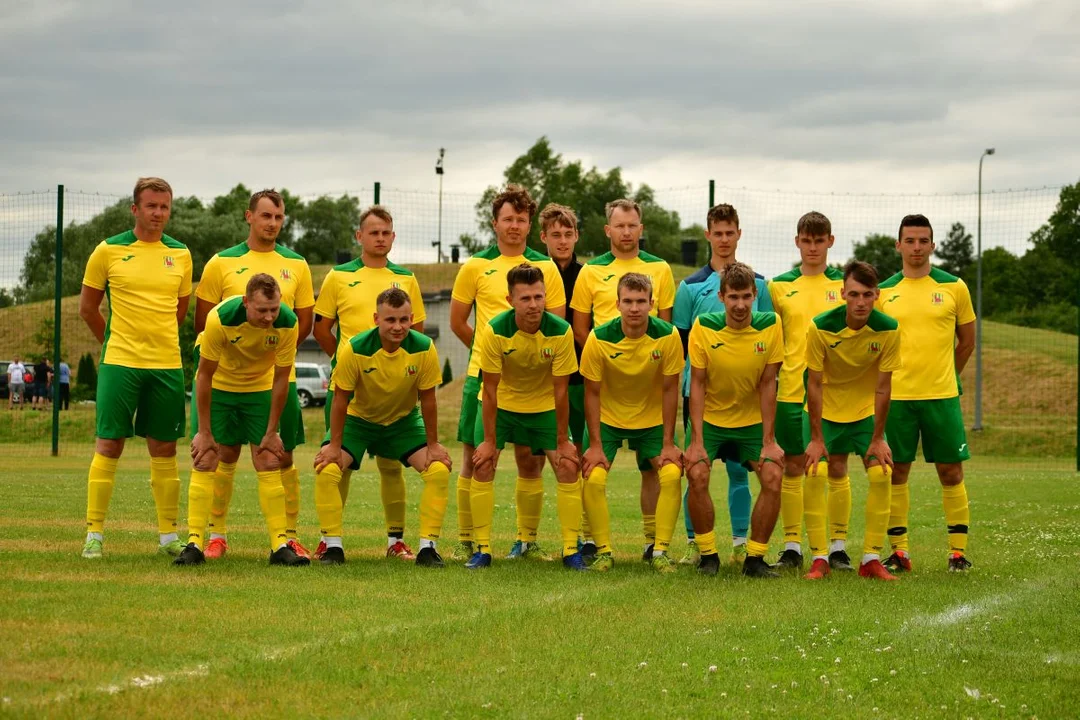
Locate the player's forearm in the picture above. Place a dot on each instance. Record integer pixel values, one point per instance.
(670, 408)
(592, 407)
(962, 354)
(204, 381)
(882, 400)
(664, 314)
(429, 411)
(279, 393)
(562, 411)
(582, 325)
(338, 412)
(182, 305)
(324, 335)
(814, 403)
(95, 321)
(490, 409)
(697, 410)
(768, 413)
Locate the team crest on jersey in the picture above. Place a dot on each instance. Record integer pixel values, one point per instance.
(395, 284)
(759, 348)
(874, 348)
(285, 274)
(271, 341)
(411, 370)
(831, 296)
(655, 357)
(937, 298)
(547, 353)
(168, 261)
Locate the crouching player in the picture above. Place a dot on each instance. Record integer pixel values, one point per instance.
(379, 376)
(851, 353)
(735, 357)
(247, 351)
(631, 367)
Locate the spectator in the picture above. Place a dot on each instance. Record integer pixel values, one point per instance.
(63, 372)
(16, 384)
(42, 375)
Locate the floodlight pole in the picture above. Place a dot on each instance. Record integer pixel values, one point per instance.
(439, 172)
(978, 304)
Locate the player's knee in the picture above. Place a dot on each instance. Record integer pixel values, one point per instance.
(698, 477)
(838, 467)
(794, 465)
(770, 477)
(951, 474)
(109, 448)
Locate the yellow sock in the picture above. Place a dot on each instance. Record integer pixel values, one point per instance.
(272, 502)
(529, 496)
(392, 491)
(165, 484)
(594, 499)
(706, 542)
(433, 500)
(648, 526)
(482, 502)
(343, 486)
(99, 487)
(464, 509)
(328, 503)
(898, 518)
(756, 549)
(814, 511)
(290, 482)
(569, 504)
(839, 507)
(791, 507)
(878, 497)
(200, 497)
(668, 505)
(957, 515)
(223, 490)
(586, 526)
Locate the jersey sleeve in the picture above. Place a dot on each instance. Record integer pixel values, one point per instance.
(553, 287)
(96, 274)
(419, 315)
(185, 281)
(583, 292)
(674, 363)
(305, 290)
(345, 369)
(592, 360)
(774, 296)
(665, 295)
(326, 304)
(776, 344)
(699, 357)
(487, 347)
(682, 314)
(565, 356)
(210, 283)
(964, 312)
(212, 338)
(765, 303)
(285, 355)
(815, 349)
(890, 353)
(465, 284)
(430, 373)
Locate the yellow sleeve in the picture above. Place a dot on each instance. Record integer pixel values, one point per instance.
(326, 304)
(964, 312)
(890, 353)
(553, 287)
(345, 369)
(698, 355)
(285, 355)
(673, 356)
(776, 343)
(96, 274)
(212, 338)
(815, 349)
(565, 357)
(583, 292)
(185, 282)
(210, 283)
(592, 362)
(465, 283)
(774, 295)
(665, 295)
(487, 346)
(417, 300)
(305, 290)
(430, 373)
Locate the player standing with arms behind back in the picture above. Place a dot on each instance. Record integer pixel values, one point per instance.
(147, 276)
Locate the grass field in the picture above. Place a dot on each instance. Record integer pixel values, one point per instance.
(133, 636)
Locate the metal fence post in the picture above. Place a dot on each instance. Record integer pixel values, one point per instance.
(378, 187)
(57, 302)
(712, 193)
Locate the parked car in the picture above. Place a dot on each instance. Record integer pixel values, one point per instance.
(312, 380)
(4, 379)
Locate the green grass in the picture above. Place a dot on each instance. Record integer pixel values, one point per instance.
(132, 636)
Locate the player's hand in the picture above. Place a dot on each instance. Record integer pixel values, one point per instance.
(566, 450)
(594, 458)
(329, 454)
(485, 453)
(670, 454)
(880, 451)
(695, 454)
(814, 452)
(271, 443)
(772, 452)
(204, 450)
(436, 452)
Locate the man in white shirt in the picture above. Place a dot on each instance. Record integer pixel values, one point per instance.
(16, 387)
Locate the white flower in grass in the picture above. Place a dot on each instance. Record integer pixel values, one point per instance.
(643, 664)
(712, 668)
(972, 693)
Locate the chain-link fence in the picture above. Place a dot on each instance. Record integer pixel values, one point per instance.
(1029, 341)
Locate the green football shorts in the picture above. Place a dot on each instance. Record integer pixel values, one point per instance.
(535, 431)
(398, 440)
(742, 445)
(469, 415)
(576, 395)
(646, 442)
(790, 421)
(135, 401)
(939, 422)
(235, 418)
(291, 424)
(846, 438)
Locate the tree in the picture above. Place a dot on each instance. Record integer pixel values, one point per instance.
(956, 253)
(7, 299)
(85, 379)
(1054, 269)
(43, 340)
(880, 251)
(327, 225)
(447, 373)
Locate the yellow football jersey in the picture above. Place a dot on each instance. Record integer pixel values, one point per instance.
(386, 385)
(734, 361)
(527, 362)
(850, 361)
(482, 281)
(797, 299)
(631, 372)
(144, 282)
(245, 354)
(596, 290)
(928, 309)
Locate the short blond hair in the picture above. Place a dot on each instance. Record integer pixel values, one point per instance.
(622, 204)
(554, 213)
(378, 211)
(639, 282)
(150, 183)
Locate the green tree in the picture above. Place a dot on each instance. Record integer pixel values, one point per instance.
(956, 253)
(326, 225)
(880, 251)
(1051, 264)
(447, 373)
(235, 203)
(43, 340)
(85, 387)
(7, 299)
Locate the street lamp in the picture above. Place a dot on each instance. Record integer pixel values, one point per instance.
(978, 304)
(439, 172)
